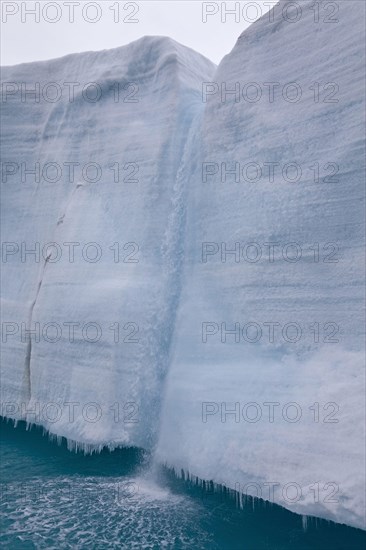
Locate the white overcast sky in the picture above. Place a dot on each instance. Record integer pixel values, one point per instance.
(24, 39)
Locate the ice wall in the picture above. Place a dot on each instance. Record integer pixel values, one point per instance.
(151, 93)
(292, 370)
(297, 401)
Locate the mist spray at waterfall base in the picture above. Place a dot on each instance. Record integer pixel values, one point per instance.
(123, 497)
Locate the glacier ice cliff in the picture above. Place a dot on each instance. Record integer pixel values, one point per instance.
(144, 131)
(245, 447)
(166, 384)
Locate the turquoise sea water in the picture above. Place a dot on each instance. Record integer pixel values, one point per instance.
(53, 498)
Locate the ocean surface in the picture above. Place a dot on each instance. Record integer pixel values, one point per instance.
(54, 498)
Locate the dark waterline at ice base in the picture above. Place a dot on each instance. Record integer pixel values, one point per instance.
(54, 498)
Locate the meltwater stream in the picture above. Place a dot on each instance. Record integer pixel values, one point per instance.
(54, 498)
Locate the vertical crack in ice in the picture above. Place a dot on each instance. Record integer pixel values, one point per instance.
(28, 355)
